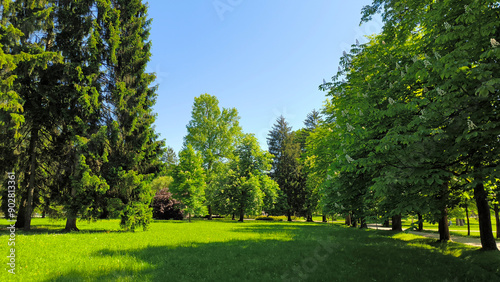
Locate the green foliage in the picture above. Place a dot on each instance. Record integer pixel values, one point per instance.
(245, 187)
(135, 148)
(413, 113)
(77, 115)
(270, 190)
(136, 215)
(287, 169)
(311, 185)
(137, 211)
(170, 159)
(161, 182)
(189, 181)
(214, 133)
(26, 114)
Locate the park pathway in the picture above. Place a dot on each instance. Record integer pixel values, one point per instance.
(458, 239)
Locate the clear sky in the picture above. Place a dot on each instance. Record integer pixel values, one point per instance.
(264, 58)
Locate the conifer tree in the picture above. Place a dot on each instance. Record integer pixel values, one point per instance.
(286, 169)
(135, 153)
(31, 22)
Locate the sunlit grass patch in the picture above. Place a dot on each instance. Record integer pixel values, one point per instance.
(446, 248)
(406, 236)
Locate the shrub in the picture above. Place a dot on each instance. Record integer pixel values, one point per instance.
(165, 207)
(269, 218)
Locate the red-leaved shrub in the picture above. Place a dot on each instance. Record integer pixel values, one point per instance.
(164, 207)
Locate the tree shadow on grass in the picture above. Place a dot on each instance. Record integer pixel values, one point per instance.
(314, 254)
(299, 231)
(54, 229)
(487, 260)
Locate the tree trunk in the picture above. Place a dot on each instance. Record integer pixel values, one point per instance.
(363, 223)
(71, 220)
(309, 218)
(444, 231)
(209, 212)
(420, 223)
(242, 213)
(354, 221)
(104, 214)
(189, 217)
(468, 223)
(241, 217)
(289, 216)
(497, 220)
(71, 224)
(233, 217)
(396, 223)
(324, 218)
(46, 208)
(31, 183)
(483, 211)
(386, 223)
(348, 220)
(20, 215)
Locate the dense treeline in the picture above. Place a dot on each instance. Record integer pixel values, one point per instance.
(76, 110)
(224, 171)
(412, 120)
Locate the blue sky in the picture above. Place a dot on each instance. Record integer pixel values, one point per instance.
(264, 58)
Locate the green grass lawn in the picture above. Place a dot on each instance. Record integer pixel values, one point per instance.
(223, 250)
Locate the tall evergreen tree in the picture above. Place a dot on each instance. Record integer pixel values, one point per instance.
(81, 146)
(169, 158)
(87, 118)
(135, 153)
(11, 109)
(286, 169)
(311, 200)
(313, 120)
(276, 139)
(32, 23)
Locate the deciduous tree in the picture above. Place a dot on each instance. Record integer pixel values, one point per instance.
(213, 132)
(189, 181)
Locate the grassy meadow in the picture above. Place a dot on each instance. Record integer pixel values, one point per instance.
(224, 250)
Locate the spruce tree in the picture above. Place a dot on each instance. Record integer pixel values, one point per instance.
(32, 24)
(286, 169)
(135, 153)
(11, 109)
